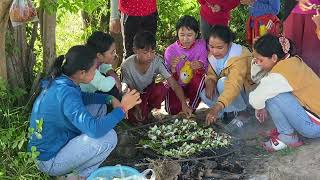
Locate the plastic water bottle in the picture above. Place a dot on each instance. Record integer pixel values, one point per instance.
(234, 126)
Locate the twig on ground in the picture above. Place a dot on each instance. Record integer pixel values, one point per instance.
(192, 159)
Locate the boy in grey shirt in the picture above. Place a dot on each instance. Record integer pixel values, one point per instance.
(139, 72)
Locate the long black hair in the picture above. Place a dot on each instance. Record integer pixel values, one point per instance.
(77, 58)
(100, 41)
(269, 44)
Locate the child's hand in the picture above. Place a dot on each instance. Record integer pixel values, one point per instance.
(316, 18)
(247, 2)
(115, 26)
(186, 110)
(118, 84)
(261, 115)
(215, 8)
(196, 65)
(213, 114)
(175, 61)
(305, 5)
(130, 99)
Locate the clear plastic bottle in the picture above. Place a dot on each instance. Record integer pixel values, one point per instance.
(235, 126)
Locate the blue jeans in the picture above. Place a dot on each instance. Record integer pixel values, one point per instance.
(81, 155)
(238, 104)
(288, 115)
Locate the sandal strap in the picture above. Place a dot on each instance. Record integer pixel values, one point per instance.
(277, 144)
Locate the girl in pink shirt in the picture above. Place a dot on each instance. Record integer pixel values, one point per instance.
(187, 60)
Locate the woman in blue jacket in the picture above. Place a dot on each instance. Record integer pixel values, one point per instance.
(69, 138)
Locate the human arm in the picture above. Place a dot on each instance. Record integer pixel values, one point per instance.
(115, 76)
(114, 25)
(269, 87)
(316, 20)
(125, 77)
(210, 82)
(95, 98)
(233, 84)
(76, 112)
(172, 59)
(180, 94)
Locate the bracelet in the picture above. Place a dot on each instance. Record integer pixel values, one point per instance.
(109, 99)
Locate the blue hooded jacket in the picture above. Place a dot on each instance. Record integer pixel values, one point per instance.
(62, 107)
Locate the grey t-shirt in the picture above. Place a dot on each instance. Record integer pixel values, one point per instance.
(135, 79)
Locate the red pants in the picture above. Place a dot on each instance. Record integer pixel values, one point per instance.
(151, 97)
(301, 30)
(191, 91)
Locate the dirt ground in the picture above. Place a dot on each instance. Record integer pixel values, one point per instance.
(289, 164)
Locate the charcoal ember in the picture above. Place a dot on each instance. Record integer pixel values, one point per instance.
(225, 175)
(231, 166)
(189, 170)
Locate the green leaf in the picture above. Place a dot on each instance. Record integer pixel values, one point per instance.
(14, 145)
(20, 144)
(33, 148)
(38, 135)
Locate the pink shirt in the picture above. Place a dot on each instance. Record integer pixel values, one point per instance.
(298, 10)
(197, 53)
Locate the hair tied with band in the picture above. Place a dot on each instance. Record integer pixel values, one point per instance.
(63, 61)
(285, 44)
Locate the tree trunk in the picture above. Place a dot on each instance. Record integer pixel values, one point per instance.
(4, 17)
(48, 37)
(17, 57)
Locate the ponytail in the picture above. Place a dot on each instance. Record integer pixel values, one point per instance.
(77, 58)
(56, 69)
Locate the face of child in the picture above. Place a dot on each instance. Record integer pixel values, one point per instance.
(146, 55)
(265, 63)
(186, 36)
(108, 56)
(217, 47)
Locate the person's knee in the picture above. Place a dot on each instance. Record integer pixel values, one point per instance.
(107, 142)
(280, 98)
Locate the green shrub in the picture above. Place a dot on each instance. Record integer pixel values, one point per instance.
(16, 162)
